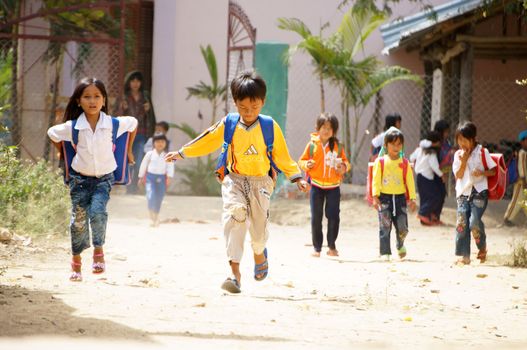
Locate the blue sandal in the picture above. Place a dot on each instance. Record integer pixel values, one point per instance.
(261, 269)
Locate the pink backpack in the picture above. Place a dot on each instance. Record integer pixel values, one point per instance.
(498, 183)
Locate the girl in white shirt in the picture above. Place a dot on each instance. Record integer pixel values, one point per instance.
(91, 176)
(156, 173)
(471, 192)
(429, 179)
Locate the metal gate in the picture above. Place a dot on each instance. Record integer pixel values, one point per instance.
(44, 51)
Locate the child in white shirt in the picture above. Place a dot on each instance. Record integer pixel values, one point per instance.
(156, 174)
(429, 179)
(91, 175)
(471, 191)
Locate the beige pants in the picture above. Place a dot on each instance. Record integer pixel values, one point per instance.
(245, 206)
(516, 203)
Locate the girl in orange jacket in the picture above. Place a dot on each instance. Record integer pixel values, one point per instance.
(324, 161)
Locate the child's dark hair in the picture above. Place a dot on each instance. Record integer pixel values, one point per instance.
(468, 130)
(391, 119)
(441, 126)
(134, 75)
(73, 109)
(432, 136)
(248, 84)
(392, 136)
(159, 137)
(164, 125)
(334, 122)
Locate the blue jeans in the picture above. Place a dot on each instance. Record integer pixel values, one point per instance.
(393, 210)
(89, 196)
(155, 191)
(139, 153)
(431, 196)
(332, 210)
(469, 212)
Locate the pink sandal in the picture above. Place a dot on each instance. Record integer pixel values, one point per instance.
(97, 266)
(75, 276)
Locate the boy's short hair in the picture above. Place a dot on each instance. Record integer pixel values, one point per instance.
(393, 134)
(248, 84)
(159, 137)
(164, 125)
(468, 130)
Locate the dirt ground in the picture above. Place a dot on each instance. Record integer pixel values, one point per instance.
(161, 288)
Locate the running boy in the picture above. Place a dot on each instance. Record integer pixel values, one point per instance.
(392, 188)
(518, 194)
(247, 187)
(471, 191)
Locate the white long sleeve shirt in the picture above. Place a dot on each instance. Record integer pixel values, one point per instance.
(480, 183)
(425, 164)
(94, 155)
(154, 163)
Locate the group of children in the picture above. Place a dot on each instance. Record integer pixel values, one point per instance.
(253, 151)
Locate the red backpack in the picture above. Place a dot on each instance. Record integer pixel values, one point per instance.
(369, 187)
(498, 183)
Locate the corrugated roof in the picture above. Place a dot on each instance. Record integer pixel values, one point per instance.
(393, 32)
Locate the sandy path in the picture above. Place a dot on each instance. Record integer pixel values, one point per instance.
(162, 288)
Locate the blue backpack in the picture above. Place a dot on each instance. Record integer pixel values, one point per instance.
(120, 152)
(232, 119)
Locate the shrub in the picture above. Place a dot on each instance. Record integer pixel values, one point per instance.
(519, 253)
(33, 198)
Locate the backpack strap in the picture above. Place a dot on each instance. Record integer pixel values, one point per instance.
(230, 126)
(484, 159)
(267, 126)
(74, 134)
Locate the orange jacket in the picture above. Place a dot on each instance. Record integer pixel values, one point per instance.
(324, 173)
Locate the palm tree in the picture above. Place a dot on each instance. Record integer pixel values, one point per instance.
(357, 80)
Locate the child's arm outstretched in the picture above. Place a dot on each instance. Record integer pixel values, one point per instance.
(207, 142)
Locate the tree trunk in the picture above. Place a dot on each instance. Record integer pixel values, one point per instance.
(322, 95)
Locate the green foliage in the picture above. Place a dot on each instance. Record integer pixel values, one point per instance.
(519, 253)
(33, 198)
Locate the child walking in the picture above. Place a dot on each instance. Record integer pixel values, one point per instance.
(156, 174)
(161, 129)
(324, 161)
(247, 161)
(518, 195)
(471, 191)
(91, 175)
(429, 179)
(392, 188)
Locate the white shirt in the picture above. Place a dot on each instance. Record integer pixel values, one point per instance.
(94, 155)
(425, 164)
(378, 140)
(155, 163)
(465, 184)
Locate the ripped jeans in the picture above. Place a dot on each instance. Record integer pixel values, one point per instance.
(89, 196)
(393, 210)
(246, 202)
(469, 212)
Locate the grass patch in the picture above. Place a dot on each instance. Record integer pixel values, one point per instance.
(518, 256)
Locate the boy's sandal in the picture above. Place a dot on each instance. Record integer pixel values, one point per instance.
(98, 266)
(261, 270)
(75, 276)
(231, 285)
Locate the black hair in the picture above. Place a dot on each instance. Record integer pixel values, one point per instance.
(392, 136)
(164, 125)
(390, 120)
(248, 84)
(468, 130)
(432, 136)
(134, 75)
(73, 109)
(334, 122)
(158, 137)
(441, 126)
